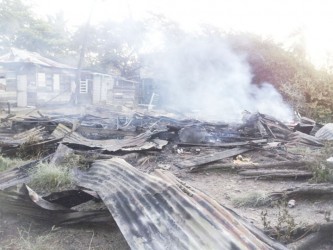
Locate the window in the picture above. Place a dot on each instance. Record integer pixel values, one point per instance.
(84, 87)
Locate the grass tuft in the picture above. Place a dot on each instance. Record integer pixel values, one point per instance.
(322, 170)
(29, 242)
(253, 199)
(48, 177)
(7, 163)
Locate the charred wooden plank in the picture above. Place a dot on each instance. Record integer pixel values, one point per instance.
(200, 160)
(274, 173)
(247, 166)
(225, 145)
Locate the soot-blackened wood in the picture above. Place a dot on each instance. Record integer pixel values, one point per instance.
(304, 190)
(200, 160)
(247, 166)
(273, 173)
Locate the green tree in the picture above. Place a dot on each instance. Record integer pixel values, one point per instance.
(20, 28)
(113, 47)
(307, 89)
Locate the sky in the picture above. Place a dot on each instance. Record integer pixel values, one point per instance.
(276, 19)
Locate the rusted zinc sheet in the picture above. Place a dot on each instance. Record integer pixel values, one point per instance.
(153, 213)
(135, 143)
(211, 205)
(325, 133)
(61, 131)
(16, 175)
(31, 135)
(302, 138)
(28, 202)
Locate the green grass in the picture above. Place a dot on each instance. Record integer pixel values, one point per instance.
(48, 177)
(40, 242)
(322, 171)
(7, 163)
(253, 199)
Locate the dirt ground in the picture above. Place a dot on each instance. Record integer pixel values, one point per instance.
(17, 232)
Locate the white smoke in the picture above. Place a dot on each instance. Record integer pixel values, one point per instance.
(206, 75)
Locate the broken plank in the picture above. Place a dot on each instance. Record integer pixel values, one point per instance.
(286, 173)
(223, 145)
(196, 161)
(303, 190)
(252, 165)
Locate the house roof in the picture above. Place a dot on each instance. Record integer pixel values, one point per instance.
(22, 56)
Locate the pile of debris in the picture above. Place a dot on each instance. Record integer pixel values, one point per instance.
(132, 161)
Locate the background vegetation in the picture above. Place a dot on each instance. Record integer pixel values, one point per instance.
(124, 48)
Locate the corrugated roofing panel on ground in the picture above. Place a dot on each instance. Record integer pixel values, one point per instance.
(155, 214)
(134, 143)
(326, 132)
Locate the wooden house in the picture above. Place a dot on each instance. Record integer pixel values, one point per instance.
(29, 79)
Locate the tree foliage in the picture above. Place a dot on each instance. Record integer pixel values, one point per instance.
(20, 28)
(307, 89)
(113, 47)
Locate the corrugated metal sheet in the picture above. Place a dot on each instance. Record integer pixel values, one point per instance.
(28, 202)
(326, 132)
(16, 175)
(299, 137)
(134, 143)
(22, 56)
(153, 213)
(61, 131)
(34, 134)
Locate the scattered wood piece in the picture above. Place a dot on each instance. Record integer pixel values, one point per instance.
(269, 173)
(224, 145)
(246, 166)
(200, 160)
(305, 189)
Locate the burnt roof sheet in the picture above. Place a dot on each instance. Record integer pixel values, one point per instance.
(135, 143)
(22, 56)
(153, 213)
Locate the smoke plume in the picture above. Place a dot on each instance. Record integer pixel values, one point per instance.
(205, 75)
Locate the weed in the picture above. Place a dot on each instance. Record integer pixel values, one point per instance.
(7, 163)
(34, 243)
(75, 160)
(48, 177)
(285, 225)
(28, 150)
(322, 172)
(251, 200)
(266, 223)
